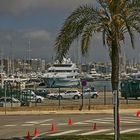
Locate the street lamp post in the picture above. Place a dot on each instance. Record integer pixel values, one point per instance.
(116, 115)
(83, 83)
(5, 92)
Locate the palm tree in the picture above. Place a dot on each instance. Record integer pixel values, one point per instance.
(113, 18)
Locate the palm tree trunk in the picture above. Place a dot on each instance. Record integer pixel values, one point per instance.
(115, 84)
(115, 66)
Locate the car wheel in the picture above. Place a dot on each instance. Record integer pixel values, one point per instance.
(51, 97)
(76, 97)
(38, 100)
(94, 96)
(125, 98)
(59, 97)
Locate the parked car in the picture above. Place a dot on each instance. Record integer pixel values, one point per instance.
(69, 94)
(28, 95)
(42, 93)
(9, 101)
(90, 93)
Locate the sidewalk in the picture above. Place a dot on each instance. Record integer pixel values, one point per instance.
(107, 111)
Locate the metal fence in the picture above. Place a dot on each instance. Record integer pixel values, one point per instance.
(104, 98)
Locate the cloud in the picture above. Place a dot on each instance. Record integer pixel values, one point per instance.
(38, 35)
(17, 7)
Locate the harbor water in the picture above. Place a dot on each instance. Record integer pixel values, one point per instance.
(100, 85)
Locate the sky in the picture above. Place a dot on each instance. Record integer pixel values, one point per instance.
(38, 22)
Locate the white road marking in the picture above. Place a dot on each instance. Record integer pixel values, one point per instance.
(62, 124)
(129, 130)
(65, 132)
(35, 122)
(127, 122)
(27, 124)
(79, 123)
(46, 124)
(129, 117)
(40, 135)
(125, 131)
(39, 121)
(96, 121)
(110, 120)
(89, 121)
(10, 125)
(94, 132)
(105, 120)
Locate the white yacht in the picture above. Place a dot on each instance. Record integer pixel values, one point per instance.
(94, 74)
(65, 74)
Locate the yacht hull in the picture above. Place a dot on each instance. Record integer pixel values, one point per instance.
(61, 82)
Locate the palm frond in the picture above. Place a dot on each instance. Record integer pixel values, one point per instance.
(73, 27)
(87, 34)
(104, 37)
(131, 34)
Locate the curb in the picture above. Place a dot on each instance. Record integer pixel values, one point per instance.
(109, 111)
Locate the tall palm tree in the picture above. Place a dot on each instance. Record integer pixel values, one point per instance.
(113, 18)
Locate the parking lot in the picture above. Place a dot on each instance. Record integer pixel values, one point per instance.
(70, 97)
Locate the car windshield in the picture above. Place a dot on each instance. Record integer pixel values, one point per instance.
(14, 99)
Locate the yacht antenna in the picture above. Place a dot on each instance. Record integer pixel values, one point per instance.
(1, 69)
(12, 58)
(29, 50)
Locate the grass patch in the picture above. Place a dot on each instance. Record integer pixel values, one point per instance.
(95, 137)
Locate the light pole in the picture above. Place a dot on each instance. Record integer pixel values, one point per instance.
(83, 83)
(89, 99)
(5, 91)
(116, 115)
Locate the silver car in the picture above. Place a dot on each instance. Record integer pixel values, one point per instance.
(69, 94)
(90, 93)
(9, 102)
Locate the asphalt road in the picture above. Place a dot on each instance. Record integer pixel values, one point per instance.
(17, 126)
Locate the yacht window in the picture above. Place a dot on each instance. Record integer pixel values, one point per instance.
(69, 76)
(62, 65)
(60, 71)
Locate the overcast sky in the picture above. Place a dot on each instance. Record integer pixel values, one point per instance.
(40, 21)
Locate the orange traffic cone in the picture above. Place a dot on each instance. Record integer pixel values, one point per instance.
(94, 126)
(53, 129)
(138, 113)
(28, 135)
(36, 133)
(70, 121)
